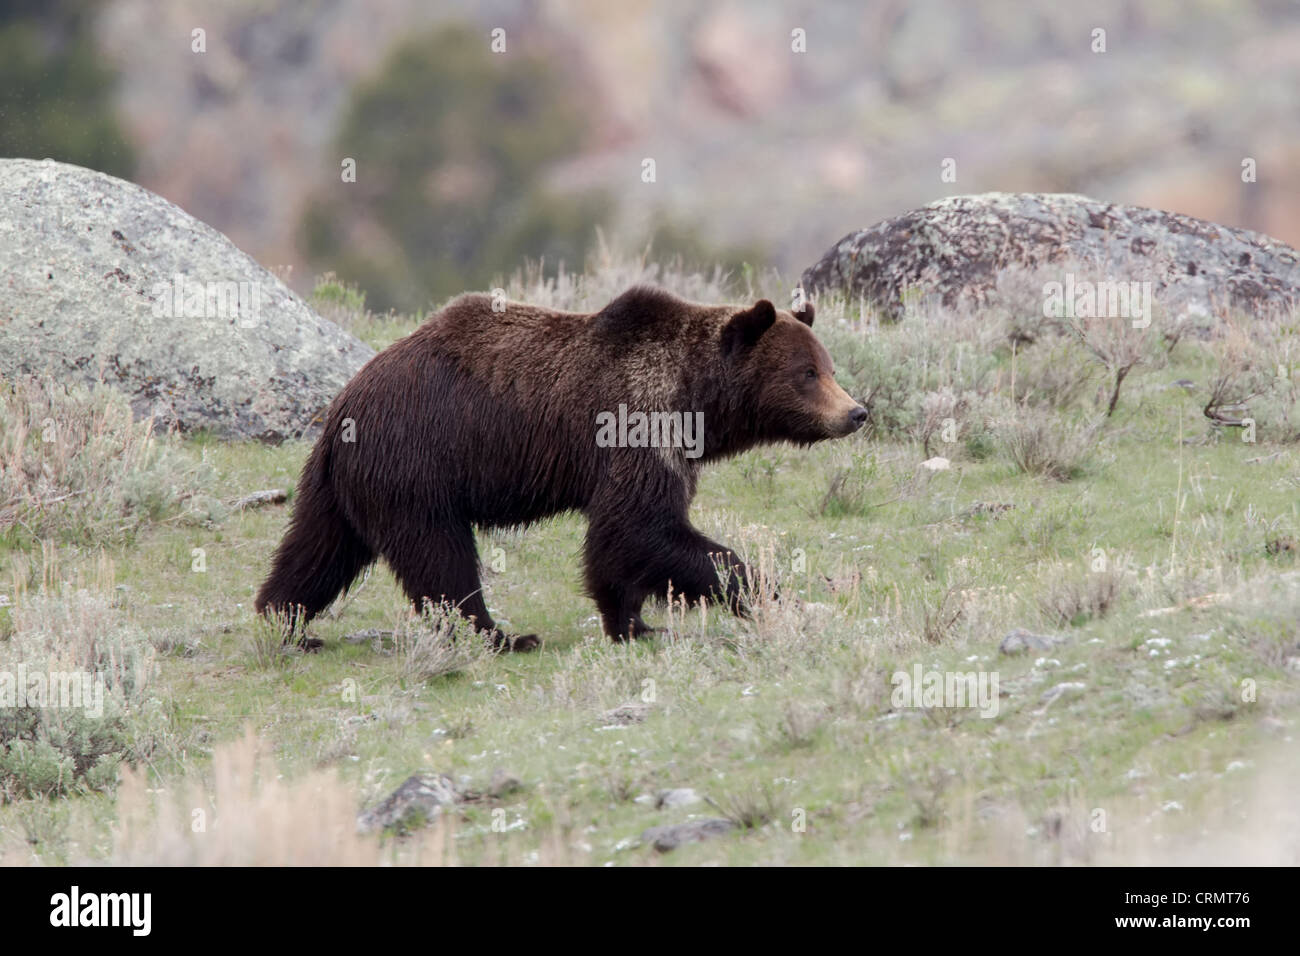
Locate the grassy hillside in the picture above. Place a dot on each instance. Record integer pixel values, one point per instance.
(1154, 553)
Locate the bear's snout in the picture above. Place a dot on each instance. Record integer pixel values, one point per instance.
(842, 415)
(849, 422)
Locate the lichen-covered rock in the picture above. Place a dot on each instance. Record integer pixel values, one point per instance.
(421, 797)
(1020, 640)
(956, 248)
(100, 278)
(665, 839)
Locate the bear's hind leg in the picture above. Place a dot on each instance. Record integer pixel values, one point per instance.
(319, 557)
(441, 564)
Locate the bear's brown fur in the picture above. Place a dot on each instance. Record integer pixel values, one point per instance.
(484, 418)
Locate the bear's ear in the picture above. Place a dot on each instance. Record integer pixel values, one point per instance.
(806, 316)
(745, 328)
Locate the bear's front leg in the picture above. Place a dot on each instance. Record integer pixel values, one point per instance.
(703, 569)
(630, 557)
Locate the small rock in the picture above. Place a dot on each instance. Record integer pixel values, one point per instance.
(368, 636)
(680, 797)
(626, 714)
(1061, 690)
(1020, 640)
(422, 795)
(668, 838)
(504, 783)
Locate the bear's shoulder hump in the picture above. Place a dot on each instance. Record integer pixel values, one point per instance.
(639, 308)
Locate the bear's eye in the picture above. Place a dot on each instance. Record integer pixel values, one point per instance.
(811, 373)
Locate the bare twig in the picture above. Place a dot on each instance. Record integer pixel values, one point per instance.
(271, 496)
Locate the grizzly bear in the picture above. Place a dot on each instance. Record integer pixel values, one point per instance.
(499, 416)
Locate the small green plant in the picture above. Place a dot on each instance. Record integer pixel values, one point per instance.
(342, 303)
(266, 643)
(748, 807)
(848, 485)
(939, 619)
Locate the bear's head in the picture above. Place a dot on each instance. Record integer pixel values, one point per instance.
(787, 376)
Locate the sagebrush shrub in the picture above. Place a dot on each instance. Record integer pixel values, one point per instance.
(1040, 443)
(86, 676)
(75, 465)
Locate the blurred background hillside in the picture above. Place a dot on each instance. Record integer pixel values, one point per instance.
(468, 161)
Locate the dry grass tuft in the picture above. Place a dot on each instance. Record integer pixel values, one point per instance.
(1072, 596)
(438, 642)
(245, 814)
(1040, 443)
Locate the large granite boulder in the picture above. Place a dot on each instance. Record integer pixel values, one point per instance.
(100, 278)
(956, 248)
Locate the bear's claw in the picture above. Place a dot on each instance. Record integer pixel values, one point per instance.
(518, 643)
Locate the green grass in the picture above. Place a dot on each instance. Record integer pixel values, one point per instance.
(787, 717)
